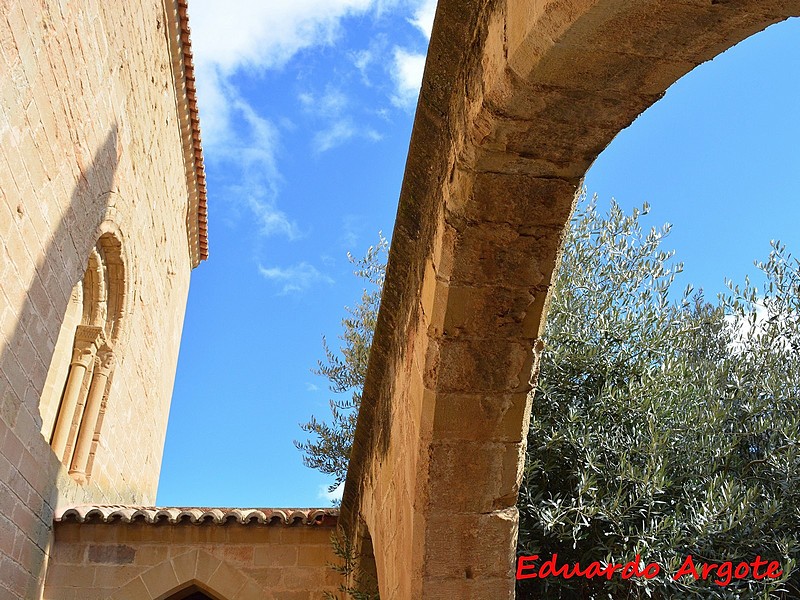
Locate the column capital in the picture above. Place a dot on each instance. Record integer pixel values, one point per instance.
(105, 359)
(87, 340)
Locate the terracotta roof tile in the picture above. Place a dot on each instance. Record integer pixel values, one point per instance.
(180, 43)
(114, 513)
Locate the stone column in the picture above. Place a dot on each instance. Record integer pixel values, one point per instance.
(87, 340)
(94, 401)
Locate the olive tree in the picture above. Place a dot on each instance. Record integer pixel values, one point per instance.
(662, 425)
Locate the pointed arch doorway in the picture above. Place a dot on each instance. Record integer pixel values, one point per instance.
(193, 592)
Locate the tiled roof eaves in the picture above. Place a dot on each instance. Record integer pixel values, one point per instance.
(109, 514)
(180, 47)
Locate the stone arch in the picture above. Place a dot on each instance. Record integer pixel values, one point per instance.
(117, 272)
(518, 99)
(365, 573)
(78, 386)
(194, 569)
(94, 291)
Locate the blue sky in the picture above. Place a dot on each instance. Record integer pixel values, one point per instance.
(306, 109)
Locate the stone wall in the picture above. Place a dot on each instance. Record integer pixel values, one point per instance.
(90, 143)
(141, 561)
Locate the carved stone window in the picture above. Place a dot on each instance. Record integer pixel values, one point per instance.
(79, 379)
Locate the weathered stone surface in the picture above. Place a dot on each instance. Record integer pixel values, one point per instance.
(91, 145)
(147, 561)
(478, 417)
(475, 477)
(469, 545)
(492, 311)
(497, 254)
(118, 554)
(514, 200)
(498, 366)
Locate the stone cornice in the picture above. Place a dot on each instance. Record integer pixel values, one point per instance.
(180, 49)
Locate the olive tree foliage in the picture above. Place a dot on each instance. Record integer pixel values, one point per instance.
(346, 370)
(662, 425)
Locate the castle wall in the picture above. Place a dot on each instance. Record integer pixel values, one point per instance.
(90, 143)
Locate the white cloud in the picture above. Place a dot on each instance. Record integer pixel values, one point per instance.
(255, 36)
(214, 100)
(297, 278)
(352, 226)
(339, 127)
(371, 58)
(330, 104)
(306, 99)
(270, 218)
(261, 34)
(362, 59)
(407, 74)
(251, 155)
(423, 17)
(767, 319)
(334, 497)
(335, 135)
(310, 387)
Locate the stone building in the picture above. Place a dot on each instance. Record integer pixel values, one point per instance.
(102, 219)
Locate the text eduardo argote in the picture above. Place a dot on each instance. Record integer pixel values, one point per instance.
(529, 567)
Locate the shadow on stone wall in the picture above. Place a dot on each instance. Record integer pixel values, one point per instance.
(28, 467)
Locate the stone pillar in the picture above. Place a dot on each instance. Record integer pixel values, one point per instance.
(104, 365)
(87, 340)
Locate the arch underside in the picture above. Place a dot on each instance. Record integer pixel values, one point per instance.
(518, 99)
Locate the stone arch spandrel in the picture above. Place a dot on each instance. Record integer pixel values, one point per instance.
(194, 568)
(518, 99)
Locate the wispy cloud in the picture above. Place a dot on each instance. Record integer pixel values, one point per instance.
(250, 37)
(334, 497)
(369, 61)
(245, 143)
(331, 103)
(296, 278)
(270, 218)
(331, 109)
(335, 135)
(254, 34)
(362, 59)
(407, 74)
(310, 387)
(352, 226)
(423, 17)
